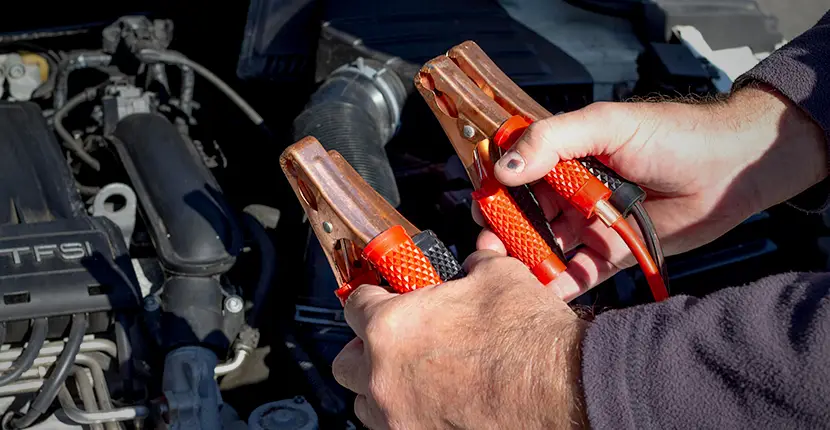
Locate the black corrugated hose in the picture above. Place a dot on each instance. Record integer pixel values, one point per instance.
(349, 130)
(355, 112)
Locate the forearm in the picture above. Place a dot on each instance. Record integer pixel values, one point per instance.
(784, 151)
(744, 357)
(797, 74)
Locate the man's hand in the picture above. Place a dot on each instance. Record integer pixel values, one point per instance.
(493, 350)
(706, 167)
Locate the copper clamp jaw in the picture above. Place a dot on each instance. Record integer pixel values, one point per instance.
(474, 100)
(363, 237)
(482, 111)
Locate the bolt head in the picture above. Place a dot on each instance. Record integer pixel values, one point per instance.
(17, 71)
(151, 303)
(327, 227)
(468, 131)
(234, 304)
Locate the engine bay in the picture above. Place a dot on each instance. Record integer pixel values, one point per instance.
(156, 270)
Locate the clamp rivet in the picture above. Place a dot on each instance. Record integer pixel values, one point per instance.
(234, 304)
(327, 227)
(468, 131)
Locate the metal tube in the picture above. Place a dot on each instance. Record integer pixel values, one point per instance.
(21, 387)
(86, 393)
(99, 381)
(99, 385)
(51, 349)
(86, 417)
(235, 363)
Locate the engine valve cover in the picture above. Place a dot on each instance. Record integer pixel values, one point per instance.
(55, 260)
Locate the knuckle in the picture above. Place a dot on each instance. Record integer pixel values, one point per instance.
(378, 392)
(382, 325)
(339, 367)
(498, 265)
(600, 108)
(535, 135)
(361, 409)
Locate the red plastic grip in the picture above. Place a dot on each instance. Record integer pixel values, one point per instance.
(575, 183)
(400, 261)
(520, 239)
(569, 178)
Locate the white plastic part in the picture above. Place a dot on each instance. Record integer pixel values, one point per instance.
(23, 79)
(123, 215)
(730, 63)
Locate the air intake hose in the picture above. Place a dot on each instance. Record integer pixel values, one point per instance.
(355, 112)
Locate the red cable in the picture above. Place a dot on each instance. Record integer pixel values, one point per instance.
(638, 248)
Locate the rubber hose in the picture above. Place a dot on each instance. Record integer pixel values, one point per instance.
(267, 259)
(351, 131)
(70, 142)
(25, 360)
(77, 61)
(60, 372)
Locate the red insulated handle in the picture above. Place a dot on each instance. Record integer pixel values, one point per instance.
(569, 178)
(515, 230)
(400, 261)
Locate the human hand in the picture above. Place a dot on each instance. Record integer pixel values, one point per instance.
(492, 350)
(706, 168)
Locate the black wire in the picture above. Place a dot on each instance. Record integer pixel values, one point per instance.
(69, 141)
(60, 372)
(267, 259)
(26, 358)
(652, 240)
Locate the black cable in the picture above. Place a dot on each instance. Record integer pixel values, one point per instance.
(651, 239)
(69, 141)
(173, 57)
(26, 358)
(57, 377)
(267, 259)
(87, 190)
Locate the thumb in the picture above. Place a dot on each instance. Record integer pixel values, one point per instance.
(361, 306)
(599, 129)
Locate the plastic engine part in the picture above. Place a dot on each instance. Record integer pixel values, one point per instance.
(55, 260)
(191, 224)
(290, 414)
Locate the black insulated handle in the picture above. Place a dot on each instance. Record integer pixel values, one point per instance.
(625, 194)
(442, 259)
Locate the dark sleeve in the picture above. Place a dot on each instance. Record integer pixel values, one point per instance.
(751, 357)
(801, 71)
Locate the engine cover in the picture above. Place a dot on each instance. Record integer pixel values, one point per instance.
(55, 260)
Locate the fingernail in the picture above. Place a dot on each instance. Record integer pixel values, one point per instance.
(512, 161)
